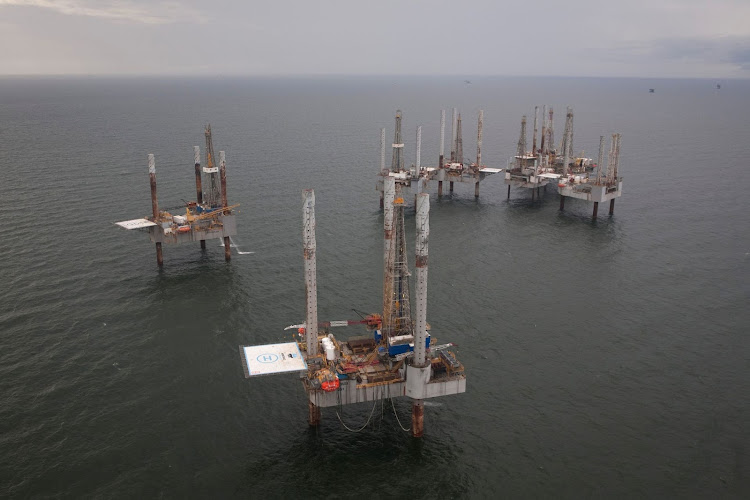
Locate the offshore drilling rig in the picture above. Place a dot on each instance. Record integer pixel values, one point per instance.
(576, 176)
(203, 220)
(396, 358)
(457, 169)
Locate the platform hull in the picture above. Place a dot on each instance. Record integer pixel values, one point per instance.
(227, 227)
(351, 392)
(591, 192)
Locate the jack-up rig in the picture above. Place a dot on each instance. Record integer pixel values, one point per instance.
(457, 169)
(395, 359)
(203, 220)
(576, 176)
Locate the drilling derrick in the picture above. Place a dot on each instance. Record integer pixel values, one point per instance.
(533, 141)
(214, 193)
(567, 142)
(570, 139)
(480, 121)
(453, 136)
(397, 163)
(521, 151)
(397, 322)
(551, 133)
(459, 142)
(543, 146)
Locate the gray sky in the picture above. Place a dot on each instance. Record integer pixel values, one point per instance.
(647, 38)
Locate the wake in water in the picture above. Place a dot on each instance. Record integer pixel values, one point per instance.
(232, 244)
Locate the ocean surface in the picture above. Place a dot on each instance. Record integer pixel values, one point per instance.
(605, 358)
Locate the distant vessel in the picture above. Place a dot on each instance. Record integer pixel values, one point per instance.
(650, 91)
(718, 86)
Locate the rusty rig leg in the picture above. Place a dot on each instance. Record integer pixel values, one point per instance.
(203, 244)
(440, 189)
(159, 257)
(509, 191)
(417, 418)
(451, 187)
(227, 248)
(612, 206)
(596, 208)
(476, 190)
(562, 202)
(313, 414)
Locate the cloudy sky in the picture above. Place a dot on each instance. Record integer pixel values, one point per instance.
(646, 38)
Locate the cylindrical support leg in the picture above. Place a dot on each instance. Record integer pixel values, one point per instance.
(562, 202)
(198, 185)
(223, 177)
(509, 191)
(476, 190)
(203, 244)
(313, 414)
(381, 200)
(451, 187)
(417, 418)
(227, 248)
(159, 257)
(533, 194)
(596, 208)
(612, 206)
(440, 189)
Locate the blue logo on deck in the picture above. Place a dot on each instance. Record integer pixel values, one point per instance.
(267, 358)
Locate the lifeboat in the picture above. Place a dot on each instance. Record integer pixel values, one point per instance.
(329, 382)
(183, 229)
(561, 185)
(330, 386)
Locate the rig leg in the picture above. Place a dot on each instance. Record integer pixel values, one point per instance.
(159, 257)
(451, 187)
(417, 418)
(612, 206)
(203, 244)
(440, 188)
(313, 414)
(562, 202)
(596, 208)
(476, 190)
(381, 200)
(533, 193)
(509, 191)
(227, 248)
